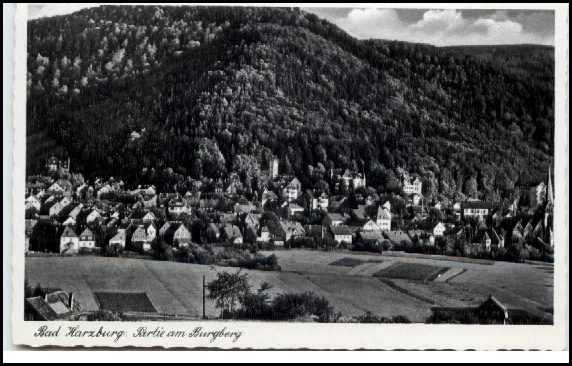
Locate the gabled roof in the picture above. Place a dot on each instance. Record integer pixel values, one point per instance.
(383, 214)
(86, 232)
(69, 233)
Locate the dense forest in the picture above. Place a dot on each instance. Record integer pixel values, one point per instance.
(165, 94)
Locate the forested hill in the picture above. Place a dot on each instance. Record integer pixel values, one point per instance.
(159, 94)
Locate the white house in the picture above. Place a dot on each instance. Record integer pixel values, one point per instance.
(32, 201)
(69, 241)
(183, 236)
(412, 187)
(65, 201)
(149, 217)
(119, 239)
(294, 209)
(69, 222)
(56, 209)
(439, 229)
(292, 190)
(73, 213)
(370, 226)
(264, 235)
(92, 216)
(341, 234)
(151, 231)
(55, 188)
(383, 219)
(416, 199)
(87, 239)
(320, 202)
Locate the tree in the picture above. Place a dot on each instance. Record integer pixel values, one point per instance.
(226, 289)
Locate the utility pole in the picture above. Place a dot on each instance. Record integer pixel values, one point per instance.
(204, 298)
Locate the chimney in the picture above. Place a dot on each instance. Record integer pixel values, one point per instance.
(70, 304)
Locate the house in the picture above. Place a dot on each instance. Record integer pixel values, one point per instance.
(182, 236)
(32, 201)
(119, 239)
(227, 218)
(491, 311)
(56, 209)
(69, 222)
(149, 217)
(371, 237)
(320, 201)
(230, 188)
(292, 191)
(383, 218)
(315, 231)
(341, 234)
(139, 238)
(177, 206)
(370, 226)
(264, 235)
(244, 208)
(397, 237)
(56, 305)
(164, 228)
(334, 219)
(77, 209)
(289, 229)
(294, 209)
(476, 209)
(69, 241)
(268, 196)
(213, 233)
(55, 189)
(410, 187)
(416, 199)
(149, 201)
(232, 234)
(65, 201)
(87, 239)
(93, 216)
(360, 214)
(103, 190)
(348, 179)
(150, 230)
(439, 229)
(336, 203)
(252, 220)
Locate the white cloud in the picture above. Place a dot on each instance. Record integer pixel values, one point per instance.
(47, 10)
(440, 27)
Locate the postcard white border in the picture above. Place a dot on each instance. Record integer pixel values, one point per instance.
(261, 335)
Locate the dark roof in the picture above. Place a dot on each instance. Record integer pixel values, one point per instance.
(480, 204)
(341, 230)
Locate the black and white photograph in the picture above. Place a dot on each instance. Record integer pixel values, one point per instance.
(292, 165)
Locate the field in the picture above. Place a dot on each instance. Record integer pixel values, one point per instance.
(412, 271)
(125, 302)
(176, 288)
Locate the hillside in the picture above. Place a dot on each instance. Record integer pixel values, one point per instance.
(156, 95)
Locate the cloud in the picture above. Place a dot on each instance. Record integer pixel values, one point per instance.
(47, 10)
(450, 27)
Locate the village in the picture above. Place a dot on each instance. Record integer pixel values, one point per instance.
(104, 217)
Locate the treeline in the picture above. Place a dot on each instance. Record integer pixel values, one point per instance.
(164, 94)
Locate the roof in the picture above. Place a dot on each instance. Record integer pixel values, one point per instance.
(69, 233)
(383, 214)
(341, 230)
(54, 306)
(334, 216)
(372, 235)
(86, 232)
(480, 204)
(292, 227)
(396, 236)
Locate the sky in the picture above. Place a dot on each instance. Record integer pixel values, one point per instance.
(440, 27)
